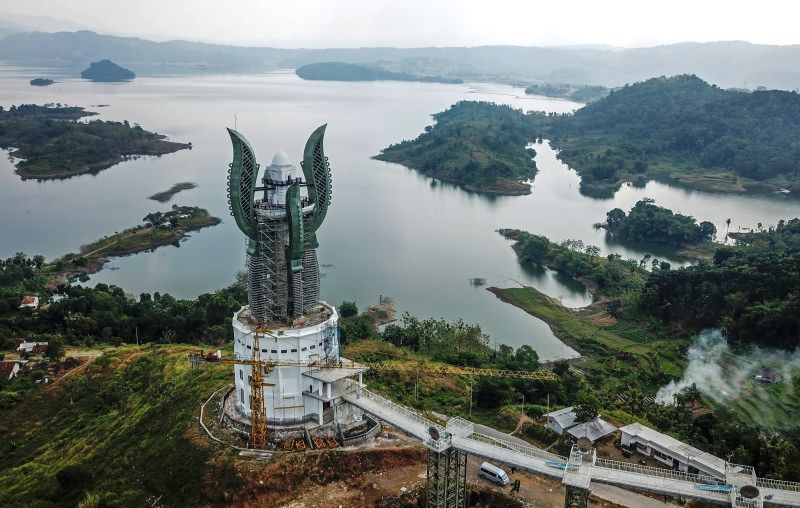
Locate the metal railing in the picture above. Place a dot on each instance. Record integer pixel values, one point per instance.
(529, 451)
(769, 483)
(743, 502)
(658, 472)
(437, 444)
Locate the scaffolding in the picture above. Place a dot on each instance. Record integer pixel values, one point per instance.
(447, 479)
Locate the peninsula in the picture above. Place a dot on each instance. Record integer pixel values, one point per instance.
(479, 146)
(51, 143)
(108, 71)
(158, 229)
(585, 93)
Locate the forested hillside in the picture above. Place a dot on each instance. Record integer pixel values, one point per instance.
(752, 290)
(478, 145)
(687, 129)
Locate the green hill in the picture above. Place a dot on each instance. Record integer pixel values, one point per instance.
(688, 130)
(478, 145)
(118, 430)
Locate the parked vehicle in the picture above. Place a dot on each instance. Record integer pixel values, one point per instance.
(493, 473)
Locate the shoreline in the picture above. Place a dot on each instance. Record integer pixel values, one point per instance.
(97, 254)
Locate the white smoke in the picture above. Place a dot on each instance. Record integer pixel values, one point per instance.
(723, 375)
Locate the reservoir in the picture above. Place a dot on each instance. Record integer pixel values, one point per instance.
(390, 231)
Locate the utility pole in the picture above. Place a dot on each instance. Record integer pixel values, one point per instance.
(137, 335)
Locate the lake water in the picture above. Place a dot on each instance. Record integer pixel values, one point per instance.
(389, 231)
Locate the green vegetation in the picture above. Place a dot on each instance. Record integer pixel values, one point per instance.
(610, 277)
(477, 145)
(41, 82)
(636, 344)
(647, 222)
(54, 144)
(164, 196)
(678, 128)
(119, 431)
(685, 129)
(338, 71)
(750, 290)
(585, 93)
(106, 70)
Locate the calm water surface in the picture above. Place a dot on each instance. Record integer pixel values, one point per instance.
(389, 230)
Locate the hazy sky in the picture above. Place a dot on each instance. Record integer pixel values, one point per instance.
(319, 23)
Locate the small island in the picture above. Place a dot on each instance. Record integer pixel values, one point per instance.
(480, 146)
(51, 143)
(107, 71)
(339, 71)
(164, 196)
(158, 229)
(647, 222)
(585, 93)
(41, 82)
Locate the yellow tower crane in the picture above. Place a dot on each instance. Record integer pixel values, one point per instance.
(258, 366)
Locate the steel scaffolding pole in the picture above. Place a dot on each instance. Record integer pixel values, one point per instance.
(576, 497)
(447, 479)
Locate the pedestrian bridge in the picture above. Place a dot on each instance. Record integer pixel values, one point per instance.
(581, 468)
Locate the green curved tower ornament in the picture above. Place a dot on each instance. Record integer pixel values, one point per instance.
(280, 225)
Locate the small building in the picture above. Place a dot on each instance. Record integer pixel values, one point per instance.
(668, 450)
(9, 369)
(31, 347)
(768, 377)
(592, 430)
(29, 302)
(560, 420)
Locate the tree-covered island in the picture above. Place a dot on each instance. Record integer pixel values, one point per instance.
(107, 71)
(584, 93)
(647, 222)
(679, 129)
(52, 143)
(477, 145)
(41, 82)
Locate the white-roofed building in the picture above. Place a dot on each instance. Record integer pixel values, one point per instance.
(592, 430)
(560, 420)
(670, 451)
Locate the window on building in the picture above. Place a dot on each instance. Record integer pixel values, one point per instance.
(662, 456)
(283, 350)
(303, 349)
(274, 351)
(249, 346)
(294, 350)
(249, 380)
(241, 374)
(642, 448)
(241, 394)
(312, 346)
(263, 350)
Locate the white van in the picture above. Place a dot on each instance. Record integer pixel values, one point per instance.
(493, 473)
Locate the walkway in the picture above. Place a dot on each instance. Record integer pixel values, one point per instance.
(460, 434)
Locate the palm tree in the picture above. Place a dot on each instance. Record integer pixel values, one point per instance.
(727, 228)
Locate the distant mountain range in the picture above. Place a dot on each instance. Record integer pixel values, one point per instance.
(727, 64)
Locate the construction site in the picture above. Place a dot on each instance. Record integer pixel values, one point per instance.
(292, 392)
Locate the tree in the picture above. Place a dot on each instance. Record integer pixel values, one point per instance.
(707, 230)
(614, 218)
(348, 309)
(587, 407)
(55, 349)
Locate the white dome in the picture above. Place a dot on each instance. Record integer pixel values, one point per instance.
(280, 159)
